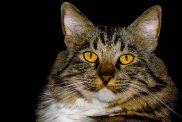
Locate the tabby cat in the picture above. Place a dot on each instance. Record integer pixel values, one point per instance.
(108, 74)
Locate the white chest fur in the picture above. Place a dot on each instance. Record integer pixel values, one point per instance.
(80, 110)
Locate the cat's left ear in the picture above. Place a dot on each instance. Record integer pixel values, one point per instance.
(147, 27)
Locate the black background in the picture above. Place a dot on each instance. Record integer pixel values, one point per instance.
(36, 38)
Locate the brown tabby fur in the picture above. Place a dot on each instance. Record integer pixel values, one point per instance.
(144, 90)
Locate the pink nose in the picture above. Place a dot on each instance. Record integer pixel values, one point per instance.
(106, 78)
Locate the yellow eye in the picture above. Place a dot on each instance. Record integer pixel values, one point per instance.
(126, 59)
(90, 56)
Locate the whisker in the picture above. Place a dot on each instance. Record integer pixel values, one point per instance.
(156, 98)
(140, 98)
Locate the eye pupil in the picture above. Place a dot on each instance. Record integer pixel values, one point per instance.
(90, 55)
(126, 56)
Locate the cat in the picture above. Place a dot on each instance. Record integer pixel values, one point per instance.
(108, 74)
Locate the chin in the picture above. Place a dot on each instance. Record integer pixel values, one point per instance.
(104, 95)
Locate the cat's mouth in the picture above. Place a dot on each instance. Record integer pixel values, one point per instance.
(105, 95)
(112, 87)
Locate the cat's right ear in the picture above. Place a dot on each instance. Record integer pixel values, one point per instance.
(74, 23)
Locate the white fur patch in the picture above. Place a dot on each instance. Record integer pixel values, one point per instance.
(105, 95)
(80, 110)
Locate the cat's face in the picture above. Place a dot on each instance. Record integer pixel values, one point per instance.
(107, 62)
(107, 65)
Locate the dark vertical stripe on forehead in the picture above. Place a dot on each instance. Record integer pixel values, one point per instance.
(101, 36)
(95, 42)
(117, 38)
(109, 34)
(122, 47)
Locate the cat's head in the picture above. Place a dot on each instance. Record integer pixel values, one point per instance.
(106, 62)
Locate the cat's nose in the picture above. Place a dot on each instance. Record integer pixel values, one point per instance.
(106, 72)
(106, 79)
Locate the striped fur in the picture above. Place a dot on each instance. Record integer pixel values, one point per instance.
(140, 91)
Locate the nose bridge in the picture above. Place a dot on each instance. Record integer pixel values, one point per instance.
(106, 71)
(106, 68)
